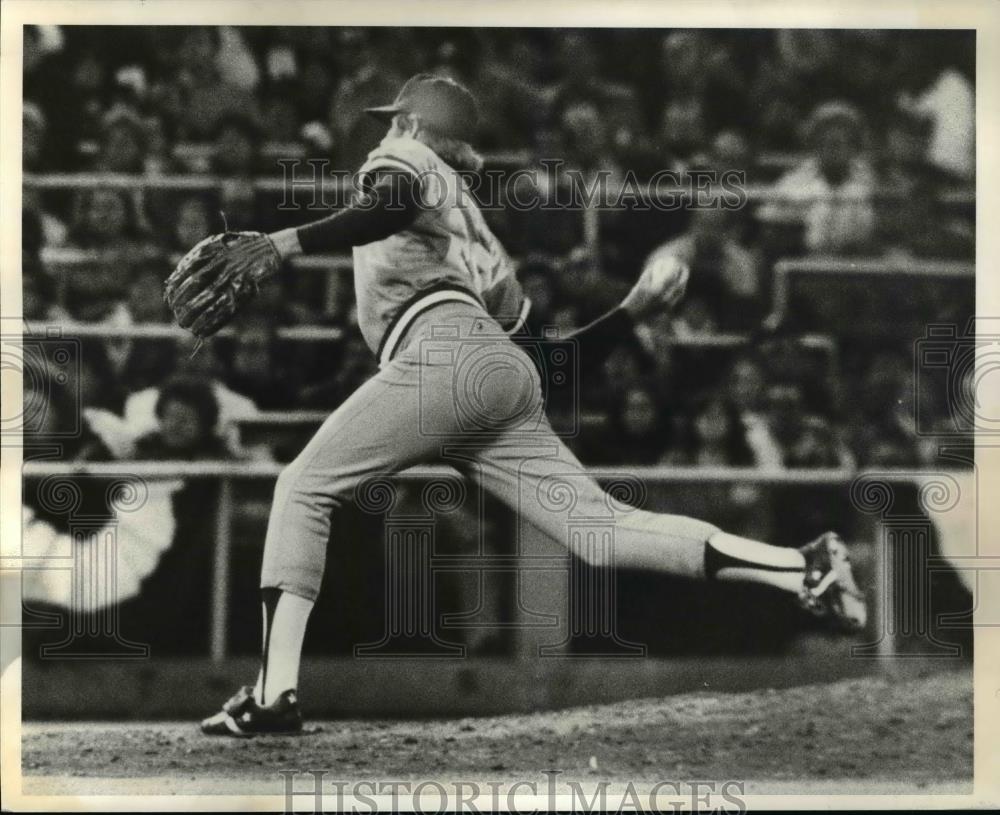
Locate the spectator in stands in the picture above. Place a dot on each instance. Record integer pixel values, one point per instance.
(713, 437)
(45, 228)
(106, 224)
(786, 416)
(314, 87)
(587, 142)
(369, 77)
(236, 157)
(829, 194)
(580, 78)
(791, 67)
(257, 369)
(95, 380)
(203, 365)
(936, 86)
(785, 358)
(911, 220)
(82, 101)
(38, 292)
(882, 417)
(745, 389)
(725, 274)
(187, 413)
(123, 143)
(518, 86)
(55, 424)
(38, 64)
(107, 221)
(683, 117)
(815, 445)
(199, 97)
(627, 366)
(175, 598)
(32, 137)
(148, 364)
(354, 364)
(635, 433)
(234, 59)
(144, 298)
(279, 114)
(95, 293)
(191, 224)
(235, 152)
(730, 150)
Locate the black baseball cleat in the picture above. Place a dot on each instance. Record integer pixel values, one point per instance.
(242, 717)
(829, 589)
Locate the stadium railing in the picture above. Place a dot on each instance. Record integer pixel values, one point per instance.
(317, 333)
(227, 473)
(757, 193)
(873, 267)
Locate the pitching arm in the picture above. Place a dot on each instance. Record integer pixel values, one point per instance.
(596, 340)
(660, 286)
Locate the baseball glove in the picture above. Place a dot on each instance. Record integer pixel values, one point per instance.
(217, 277)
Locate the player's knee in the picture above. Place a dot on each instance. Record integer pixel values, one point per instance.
(321, 488)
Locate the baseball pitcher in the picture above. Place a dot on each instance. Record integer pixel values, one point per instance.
(441, 308)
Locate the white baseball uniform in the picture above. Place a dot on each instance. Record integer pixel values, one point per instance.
(435, 303)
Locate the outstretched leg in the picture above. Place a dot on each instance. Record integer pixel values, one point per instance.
(547, 486)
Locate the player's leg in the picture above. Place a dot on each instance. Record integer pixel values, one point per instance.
(373, 432)
(541, 478)
(459, 381)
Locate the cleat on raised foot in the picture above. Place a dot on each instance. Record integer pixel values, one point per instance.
(829, 589)
(242, 717)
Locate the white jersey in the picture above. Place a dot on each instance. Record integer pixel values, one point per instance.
(447, 253)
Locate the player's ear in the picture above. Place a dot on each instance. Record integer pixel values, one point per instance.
(411, 125)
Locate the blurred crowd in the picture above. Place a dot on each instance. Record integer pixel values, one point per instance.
(864, 139)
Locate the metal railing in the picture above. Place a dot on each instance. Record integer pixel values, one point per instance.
(756, 193)
(875, 267)
(228, 472)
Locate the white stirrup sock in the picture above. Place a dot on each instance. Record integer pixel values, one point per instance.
(732, 558)
(283, 636)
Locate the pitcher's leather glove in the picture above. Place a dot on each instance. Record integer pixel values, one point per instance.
(219, 275)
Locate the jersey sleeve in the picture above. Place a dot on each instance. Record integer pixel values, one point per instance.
(506, 303)
(404, 155)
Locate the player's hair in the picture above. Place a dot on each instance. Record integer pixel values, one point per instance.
(459, 154)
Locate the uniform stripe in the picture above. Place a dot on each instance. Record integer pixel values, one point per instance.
(233, 727)
(382, 162)
(521, 317)
(406, 318)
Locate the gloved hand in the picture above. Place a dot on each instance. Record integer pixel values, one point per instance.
(219, 275)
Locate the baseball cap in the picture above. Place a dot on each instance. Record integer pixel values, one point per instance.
(443, 105)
